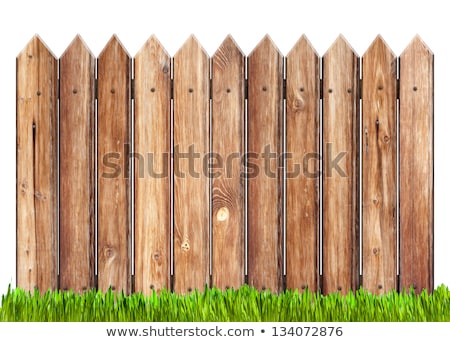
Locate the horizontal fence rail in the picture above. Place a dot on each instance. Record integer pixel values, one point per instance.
(159, 172)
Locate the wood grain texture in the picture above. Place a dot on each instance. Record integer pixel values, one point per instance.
(302, 177)
(77, 178)
(228, 249)
(114, 98)
(191, 185)
(37, 223)
(379, 172)
(152, 180)
(265, 132)
(340, 171)
(416, 166)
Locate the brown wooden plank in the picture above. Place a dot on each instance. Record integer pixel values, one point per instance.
(340, 168)
(191, 186)
(152, 165)
(416, 166)
(37, 224)
(77, 119)
(302, 166)
(265, 131)
(228, 251)
(114, 98)
(379, 177)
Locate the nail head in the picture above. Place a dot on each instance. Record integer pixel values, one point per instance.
(113, 91)
(39, 93)
(264, 88)
(191, 90)
(153, 90)
(330, 90)
(415, 88)
(75, 91)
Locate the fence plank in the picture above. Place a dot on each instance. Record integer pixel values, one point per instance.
(340, 167)
(114, 98)
(379, 181)
(77, 101)
(265, 131)
(152, 181)
(416, 166)
(37, 73)
(191, 186)
(228, 145)
(302, 178)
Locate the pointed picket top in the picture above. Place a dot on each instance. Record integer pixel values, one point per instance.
(379, 46)
(35, 45)
(152, 46)
(77, 45)
(417, 45)
(301, 46)
(266, 44)
(114, 45)
(340, 44)
(190, 45)
(228, 44)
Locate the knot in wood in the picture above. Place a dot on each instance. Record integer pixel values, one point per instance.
(109, 252)
(222, 214)
(298, 104)
(376, 251)
(185, 246)
(40, 196)
(24, 186)
(386, 139)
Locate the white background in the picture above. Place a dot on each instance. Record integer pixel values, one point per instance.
(57, 22)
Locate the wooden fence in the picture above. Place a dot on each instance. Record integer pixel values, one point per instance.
(280, 172)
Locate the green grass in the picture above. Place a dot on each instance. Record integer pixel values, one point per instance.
(245, 304)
